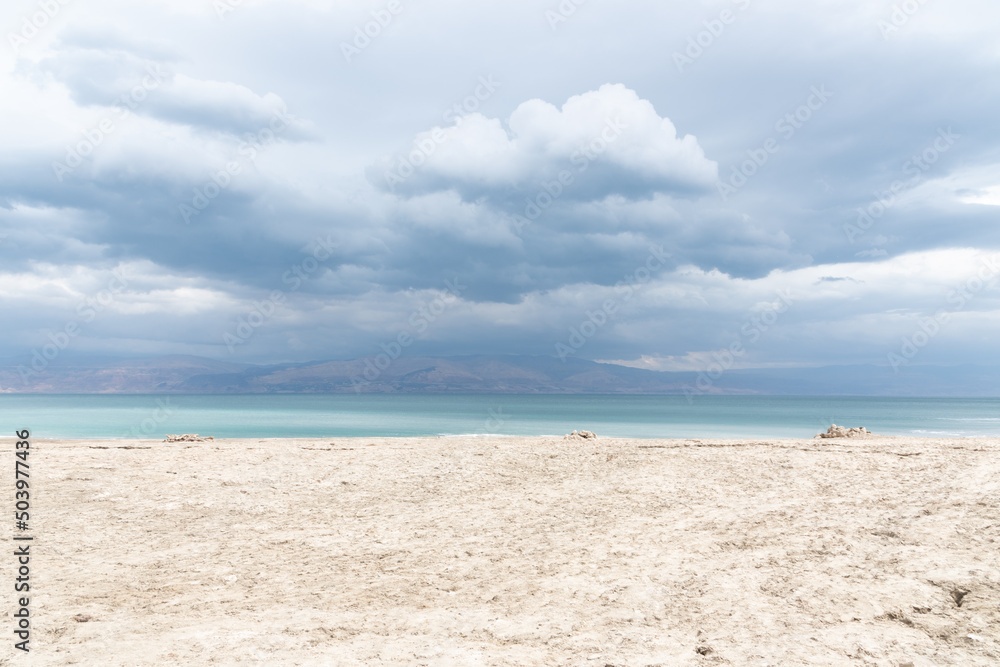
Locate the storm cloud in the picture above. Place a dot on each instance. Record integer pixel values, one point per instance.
(525, 161)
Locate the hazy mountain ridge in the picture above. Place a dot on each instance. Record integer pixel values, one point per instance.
(486, 374)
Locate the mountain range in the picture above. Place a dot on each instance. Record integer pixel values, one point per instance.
(488, 374)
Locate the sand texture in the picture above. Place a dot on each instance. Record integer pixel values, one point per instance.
(513, 551)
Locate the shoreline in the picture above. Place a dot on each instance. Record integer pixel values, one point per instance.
(504, 436)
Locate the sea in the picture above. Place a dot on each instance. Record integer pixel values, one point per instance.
(359, 415)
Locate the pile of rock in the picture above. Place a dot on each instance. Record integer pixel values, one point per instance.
(188, 437)
(841, 432)
(583, 435)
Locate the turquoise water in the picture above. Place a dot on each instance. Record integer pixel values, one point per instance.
(284, 415)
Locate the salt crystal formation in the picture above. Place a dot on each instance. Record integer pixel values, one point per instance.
(841, 432)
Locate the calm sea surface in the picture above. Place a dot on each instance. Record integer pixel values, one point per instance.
(106, 416)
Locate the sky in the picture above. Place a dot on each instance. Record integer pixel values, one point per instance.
(752, 183)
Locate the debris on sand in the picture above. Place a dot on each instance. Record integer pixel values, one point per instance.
(841, 432)
(584, 435)
(188, 437)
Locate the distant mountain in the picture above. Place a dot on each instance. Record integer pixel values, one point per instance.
(135, 376)
(489, 375)
(483, 374)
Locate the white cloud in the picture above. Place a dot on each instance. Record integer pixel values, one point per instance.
(138, 288)
(611, 130)
(989, 196)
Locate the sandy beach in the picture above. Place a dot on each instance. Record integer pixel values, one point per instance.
(513, 551)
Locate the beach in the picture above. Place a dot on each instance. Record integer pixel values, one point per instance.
(513, 551)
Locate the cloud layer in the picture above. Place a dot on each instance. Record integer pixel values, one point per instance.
(228, 161)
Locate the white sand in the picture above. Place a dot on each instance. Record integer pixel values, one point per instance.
(514, 551)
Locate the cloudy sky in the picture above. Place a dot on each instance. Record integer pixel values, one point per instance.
(643, 182)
